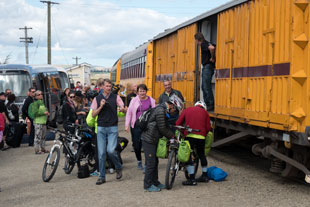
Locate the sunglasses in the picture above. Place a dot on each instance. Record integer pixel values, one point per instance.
(33, 91)
(72, 96)
(39, 94)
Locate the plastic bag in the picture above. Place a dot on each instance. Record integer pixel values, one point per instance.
(216, 174)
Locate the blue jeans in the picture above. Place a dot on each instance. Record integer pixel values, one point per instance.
(207, 73)
(106, 143)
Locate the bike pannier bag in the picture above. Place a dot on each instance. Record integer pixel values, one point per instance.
(83, 171)
(216, 174)
(162, 148)
(208, 143)
(184, 151)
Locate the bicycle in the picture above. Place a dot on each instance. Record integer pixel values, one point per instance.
(174, 165)
(76, 148)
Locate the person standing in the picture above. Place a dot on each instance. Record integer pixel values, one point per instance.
(3, 112)
(208, 63)
(157, 128)
(105, 106)
(132, 94)
(138, 105)
(69, 113)
(25, 116)
(164, 97)
(12, 109)
(196, 118)
(40, 118)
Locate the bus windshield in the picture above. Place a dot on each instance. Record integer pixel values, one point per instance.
(64, 80)
(18, 82)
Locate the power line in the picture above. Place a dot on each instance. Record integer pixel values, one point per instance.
(26, 40)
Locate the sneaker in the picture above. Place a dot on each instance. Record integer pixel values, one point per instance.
(203, 179)
(100, 181)
(95, 174)
(111, 170)
(139, 165)
(153, 188)
(161, 186)
(119, 174)
(189, 182)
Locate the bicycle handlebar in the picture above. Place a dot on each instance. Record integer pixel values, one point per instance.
(187, 128)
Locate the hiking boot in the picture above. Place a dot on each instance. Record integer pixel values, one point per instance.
(203, 179)
(161, 186)
(119, 174)
(95, 174)
(100, 181)
(139, 165)
(189, 182)
(153, 188)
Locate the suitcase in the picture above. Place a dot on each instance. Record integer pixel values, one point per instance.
(15, 134)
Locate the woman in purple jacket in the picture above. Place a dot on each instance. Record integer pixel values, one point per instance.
(137, 106)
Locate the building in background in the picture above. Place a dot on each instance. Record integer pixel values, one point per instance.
(81, 72)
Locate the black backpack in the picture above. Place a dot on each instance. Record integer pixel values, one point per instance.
(144, 118)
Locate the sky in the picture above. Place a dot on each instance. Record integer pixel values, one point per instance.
(96, 31)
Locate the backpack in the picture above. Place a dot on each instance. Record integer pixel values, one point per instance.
(216, 174)
(30, 113)
(144, 118)
(10, 113)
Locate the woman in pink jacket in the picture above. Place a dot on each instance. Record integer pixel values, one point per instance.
(137, 106)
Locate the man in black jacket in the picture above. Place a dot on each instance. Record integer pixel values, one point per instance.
(25, 116)
(157, 128)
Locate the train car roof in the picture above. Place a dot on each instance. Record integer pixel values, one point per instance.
(137, 53)
(32, 68)
(200, 17)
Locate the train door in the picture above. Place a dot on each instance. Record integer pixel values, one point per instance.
(208, 28)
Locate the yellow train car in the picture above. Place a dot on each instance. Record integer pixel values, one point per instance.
(135, 67)
(261, 80)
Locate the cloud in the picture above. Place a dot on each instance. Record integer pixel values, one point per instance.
(98, 32)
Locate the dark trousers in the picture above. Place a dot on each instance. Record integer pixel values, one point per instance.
(151, 171)
(136, 141)
(207, 73)
(31, 136)
(199, 145)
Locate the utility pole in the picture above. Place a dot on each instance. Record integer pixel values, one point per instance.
(49, 50)
(76, 60)
(26, 40)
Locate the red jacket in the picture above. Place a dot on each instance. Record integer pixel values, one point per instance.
(196, 118)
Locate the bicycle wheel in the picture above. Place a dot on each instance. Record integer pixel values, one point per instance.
(171, 169)
(51, 164)
(196, 164)
(86, 155)
(69, 164)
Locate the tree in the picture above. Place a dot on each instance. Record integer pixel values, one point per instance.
(6, 61)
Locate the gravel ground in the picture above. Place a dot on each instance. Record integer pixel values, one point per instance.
(249, 184)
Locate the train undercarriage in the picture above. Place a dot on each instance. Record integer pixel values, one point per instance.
(289, 154)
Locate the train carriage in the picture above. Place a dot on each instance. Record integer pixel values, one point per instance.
(262, 75)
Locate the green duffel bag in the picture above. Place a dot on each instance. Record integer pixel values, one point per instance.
(184, 151)
(162, 148)
(208, 143)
